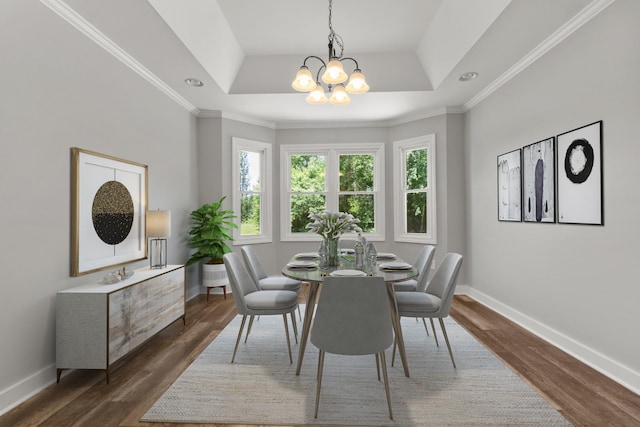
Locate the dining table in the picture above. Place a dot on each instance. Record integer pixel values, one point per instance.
(307, 267)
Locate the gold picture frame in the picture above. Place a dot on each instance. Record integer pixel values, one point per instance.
(108, 208)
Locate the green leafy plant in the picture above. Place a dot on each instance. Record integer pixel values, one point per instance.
(210, 231)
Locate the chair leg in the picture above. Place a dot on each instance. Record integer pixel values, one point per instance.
(295, 326)
(299, 314)
(378, 366)
(393, 355)
(425, 325)
(319, 380)
(286, 330)
(446, 339)
(249, 328)
(244, 318)
(383, 362)
(434, 332)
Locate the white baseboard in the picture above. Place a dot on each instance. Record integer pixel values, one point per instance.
(603, 364)
(17, 393)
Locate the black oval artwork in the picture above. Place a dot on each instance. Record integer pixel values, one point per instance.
(112, 212)
(578, 161)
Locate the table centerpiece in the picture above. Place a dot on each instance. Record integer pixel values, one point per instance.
(331, 225)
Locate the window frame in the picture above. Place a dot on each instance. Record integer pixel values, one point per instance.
(266, 206)
(400, 148)
(332, 151)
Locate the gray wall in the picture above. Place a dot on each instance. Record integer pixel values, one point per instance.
(59, 90)
(574, 284)
(214, 168)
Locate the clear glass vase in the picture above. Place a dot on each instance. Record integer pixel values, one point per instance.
(331, 246)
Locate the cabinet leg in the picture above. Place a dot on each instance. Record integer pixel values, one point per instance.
(59, 372)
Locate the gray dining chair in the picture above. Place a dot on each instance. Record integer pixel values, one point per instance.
(353, 318)
(251, 301)
(436, 301)
(423, 265)
(264, 281)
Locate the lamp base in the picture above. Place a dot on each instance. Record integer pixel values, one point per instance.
(158, 253)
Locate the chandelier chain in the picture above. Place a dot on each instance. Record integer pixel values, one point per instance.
(333, 37)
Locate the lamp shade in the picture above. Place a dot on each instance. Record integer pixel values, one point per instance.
(317, 96)
(357, 83)
(335, 73)
(339, 96)
(304, 80)
(158, 224)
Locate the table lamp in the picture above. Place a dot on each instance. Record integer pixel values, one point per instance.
(158, 229)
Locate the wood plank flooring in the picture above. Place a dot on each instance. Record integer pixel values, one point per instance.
(82, 398)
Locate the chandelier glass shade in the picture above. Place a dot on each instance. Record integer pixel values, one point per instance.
(333, 77)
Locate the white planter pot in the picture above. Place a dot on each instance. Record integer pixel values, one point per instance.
(214, 276)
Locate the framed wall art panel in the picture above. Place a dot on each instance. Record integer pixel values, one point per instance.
(538, 181)
(510, 186)
(109, 202)
(579, 164)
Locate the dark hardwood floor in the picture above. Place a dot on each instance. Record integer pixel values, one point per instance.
(82, 398)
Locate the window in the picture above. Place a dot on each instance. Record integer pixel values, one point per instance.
(346, 178)
(415, 189)
(252, 191)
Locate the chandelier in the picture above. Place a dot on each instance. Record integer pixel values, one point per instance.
(334, 75)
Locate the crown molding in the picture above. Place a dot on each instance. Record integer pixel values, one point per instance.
(73, 18)
(210, 113)
(584, 16)
(434, 112)
(235, 116)
(375, 123)
(246, 119)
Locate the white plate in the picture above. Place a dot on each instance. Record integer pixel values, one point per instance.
(395, 265)
(307, 255)
(347, 273)
(301, 264)
(386, 255)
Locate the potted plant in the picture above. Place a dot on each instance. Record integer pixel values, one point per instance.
(209, 233)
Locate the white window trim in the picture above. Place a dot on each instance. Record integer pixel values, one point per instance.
(332, 151)
(399, 185)
(266, 212)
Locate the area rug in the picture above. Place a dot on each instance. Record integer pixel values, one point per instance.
(261, 387)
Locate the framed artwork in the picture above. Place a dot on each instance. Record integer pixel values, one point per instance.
(579, 165)
(538, 181)
(510, 186)
(109, 202)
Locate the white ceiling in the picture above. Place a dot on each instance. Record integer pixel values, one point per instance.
(247, 51)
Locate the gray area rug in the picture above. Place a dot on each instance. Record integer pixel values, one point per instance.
(261, 387)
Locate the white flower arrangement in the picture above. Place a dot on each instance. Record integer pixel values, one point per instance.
(331, 225)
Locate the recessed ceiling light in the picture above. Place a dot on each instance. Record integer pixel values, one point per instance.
(193, 82)
(468, 76)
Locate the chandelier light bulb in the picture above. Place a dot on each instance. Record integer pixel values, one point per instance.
(339, 96)
(335, 73)
(357, 83)
(317, 96)
(304, 80)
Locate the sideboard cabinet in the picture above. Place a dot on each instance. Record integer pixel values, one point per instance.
(98, 324)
